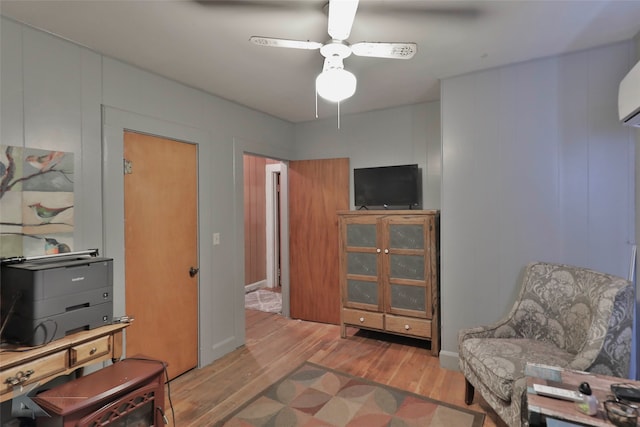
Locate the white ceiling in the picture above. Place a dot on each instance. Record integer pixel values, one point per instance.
(204, 44)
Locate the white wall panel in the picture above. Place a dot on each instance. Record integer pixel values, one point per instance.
(610, 194)
(47, 102)
(52, 93)
(11, 101)
(535, 167)
(89, 201)
(574, 158)
(635, 134)
(429, 117)
(132, 89)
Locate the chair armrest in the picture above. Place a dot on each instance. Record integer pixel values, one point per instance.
(607, 349)
(501, 329)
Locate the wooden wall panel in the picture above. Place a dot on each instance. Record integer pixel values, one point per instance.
(317, 190)
(255, 238)
(254, 219)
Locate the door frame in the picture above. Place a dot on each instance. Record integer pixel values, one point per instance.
(240, 148)
(114, 123)
(273, 222)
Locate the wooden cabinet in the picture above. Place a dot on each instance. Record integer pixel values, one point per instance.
(389, 272)
(24, 366)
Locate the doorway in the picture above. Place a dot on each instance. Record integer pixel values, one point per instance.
(262, 231)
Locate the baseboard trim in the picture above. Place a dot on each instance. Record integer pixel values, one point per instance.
(253, 286)
(217, 351)
(449, 360)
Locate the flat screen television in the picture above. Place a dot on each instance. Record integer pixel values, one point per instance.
(385, 186)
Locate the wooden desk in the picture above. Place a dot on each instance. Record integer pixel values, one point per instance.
(60, 357)
(540, 408)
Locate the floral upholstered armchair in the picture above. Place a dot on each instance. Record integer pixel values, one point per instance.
(565, 316)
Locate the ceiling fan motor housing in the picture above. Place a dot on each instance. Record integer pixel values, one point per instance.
(335, 48)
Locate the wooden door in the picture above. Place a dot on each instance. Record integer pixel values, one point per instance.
(317, 190)
(161, 226)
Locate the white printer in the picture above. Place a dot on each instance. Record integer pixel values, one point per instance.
(45, 298)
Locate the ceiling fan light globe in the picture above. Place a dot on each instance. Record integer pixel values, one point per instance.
(336, 85)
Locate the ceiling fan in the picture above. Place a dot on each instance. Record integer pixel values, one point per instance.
(334, 83)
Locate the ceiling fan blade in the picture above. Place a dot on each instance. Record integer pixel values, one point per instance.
(341, 15)
(263, 5)
(294, 44)
(385, 50)
(436, 9)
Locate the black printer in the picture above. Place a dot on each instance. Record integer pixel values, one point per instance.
(46, 298)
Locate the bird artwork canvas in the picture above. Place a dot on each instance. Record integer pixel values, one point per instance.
(36, 201)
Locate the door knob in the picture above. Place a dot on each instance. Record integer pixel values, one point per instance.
(193, 271)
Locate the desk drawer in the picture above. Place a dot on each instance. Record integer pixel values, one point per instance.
(41, 368)
(363, 318)
(408, 326)
(94, 349)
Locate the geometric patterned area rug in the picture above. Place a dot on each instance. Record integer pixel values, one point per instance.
(313, 395)
(263, 300)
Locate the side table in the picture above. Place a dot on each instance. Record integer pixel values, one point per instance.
(541, 410)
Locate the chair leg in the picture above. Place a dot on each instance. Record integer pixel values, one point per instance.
(468, 392)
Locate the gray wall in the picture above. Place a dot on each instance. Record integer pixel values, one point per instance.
(395, 136)
(637, 223)
(536, 166)
(54, 94)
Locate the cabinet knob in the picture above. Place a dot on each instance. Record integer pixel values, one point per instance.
(378, 250)
(386, 251)
(361, 319)
(93, 351)
(407, 327)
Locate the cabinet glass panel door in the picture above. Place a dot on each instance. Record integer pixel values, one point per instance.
(361, 235)
(361, 264)
(365, 290)
(407, 272)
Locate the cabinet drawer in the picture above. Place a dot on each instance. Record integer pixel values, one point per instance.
(40, 368)
(90, 350)
(366, 319)
(408, 326)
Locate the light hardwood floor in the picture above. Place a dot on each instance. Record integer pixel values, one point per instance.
(276, 345)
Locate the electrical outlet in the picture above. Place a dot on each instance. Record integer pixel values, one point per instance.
(216, 238)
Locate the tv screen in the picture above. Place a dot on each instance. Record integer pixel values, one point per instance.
(387, 186)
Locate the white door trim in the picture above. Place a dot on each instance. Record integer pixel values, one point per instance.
(272, 222)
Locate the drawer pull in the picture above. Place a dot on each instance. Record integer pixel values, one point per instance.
(93, 351)
(362, 320)
(20, 378)
(407, 327)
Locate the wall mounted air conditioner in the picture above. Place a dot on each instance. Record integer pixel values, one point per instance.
(629, 98)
